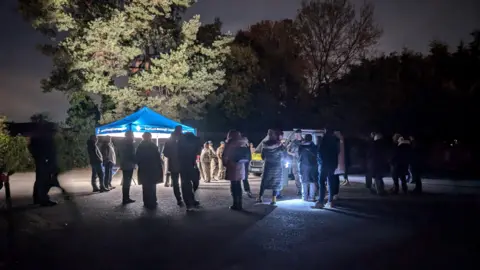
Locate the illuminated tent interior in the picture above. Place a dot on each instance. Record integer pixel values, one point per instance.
(144, 120)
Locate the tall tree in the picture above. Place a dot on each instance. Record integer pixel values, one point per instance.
(333, 37)
(165, 65)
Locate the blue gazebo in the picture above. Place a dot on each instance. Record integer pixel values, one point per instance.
(144, 120)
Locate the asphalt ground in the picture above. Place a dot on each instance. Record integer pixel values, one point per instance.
(438, 230)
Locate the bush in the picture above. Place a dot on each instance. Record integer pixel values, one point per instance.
(14, 155)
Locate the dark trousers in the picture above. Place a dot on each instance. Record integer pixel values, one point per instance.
(189, 177)
(97, 172)
(246, 184)
(236, 188)
(149, 192)
(108, 166)
(126, 183)
(336, 184)
(399, 174)
(176, 185)
(41, 185)
(368, 179)
(196, 178)
(417, 179)
(327, 176)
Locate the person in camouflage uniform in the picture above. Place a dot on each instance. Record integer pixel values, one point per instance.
(292, 149)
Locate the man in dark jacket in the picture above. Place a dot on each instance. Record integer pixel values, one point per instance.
(377, 163)
(150, 170)
(127, 165)
(328, 159)
(189, 146)
(173, 163)
(95, 158)
(400, 162)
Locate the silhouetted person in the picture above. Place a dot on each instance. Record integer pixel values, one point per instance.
(328, 158)
(221, 167)
(400, 162)
(246, 184)
(43, 150)
(109, 159)
(273, 154)
(368, 176)
(292, 149)
(235, 156)
(150, 170)
(189, 146)
(416, 166)
(377, 163)
(307, 158)
(95, 158)
(127, 165)
(173, 163)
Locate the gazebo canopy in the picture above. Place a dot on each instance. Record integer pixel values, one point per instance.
(144, 120)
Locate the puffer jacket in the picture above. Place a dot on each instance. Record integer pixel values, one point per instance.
(273, 154)
(235, 171)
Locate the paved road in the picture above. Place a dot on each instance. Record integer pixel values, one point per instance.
(434, 231)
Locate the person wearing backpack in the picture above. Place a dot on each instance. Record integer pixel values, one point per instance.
(235, 156)
(307, 157)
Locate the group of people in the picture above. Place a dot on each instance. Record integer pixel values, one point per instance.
(401, 156)
(180, 149)
(316, 168)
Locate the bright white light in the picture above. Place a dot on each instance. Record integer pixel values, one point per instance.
(137, 135)
(296, 204)
(287, 164)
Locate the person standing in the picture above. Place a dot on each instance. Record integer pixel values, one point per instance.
(95, 158)
(307, 153)
(368, 176)
(400, 161)
(38, 148)
(173, 163)
(235, 156)
(416, 165)
(205, 160)
(189, 147)
(328, 158)
(246, 184)
(273, 154)
(221, 168)
(150, 170)
(109, 159)
(127, 165)
(213, 162)
(292, 149)
(341, 164)
(377, 163)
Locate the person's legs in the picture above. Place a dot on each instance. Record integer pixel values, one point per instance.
(187, 188)
(305, 191)
(336, 184)
(403, 179)
(246, 184)
(368, 179)
(206, 172)
(149, 195)
(395, 178)
(417, 180)
(322, 188)
(297, 176)
(213, 169)
(95, 187)
(312, 191)
(262, 190)
(331, 186)
(101, 177)
(40, 187)
(176, 187)
(127, 181)
(236, 190)
(221, 169)
(108, 174)
(379, 185)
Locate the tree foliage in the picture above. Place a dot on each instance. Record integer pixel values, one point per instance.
(333, 37)
(14, 154)
(144, 41)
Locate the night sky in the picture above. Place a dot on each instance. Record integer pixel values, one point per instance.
(411, 23)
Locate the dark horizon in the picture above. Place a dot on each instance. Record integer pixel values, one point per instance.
(411, 24)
